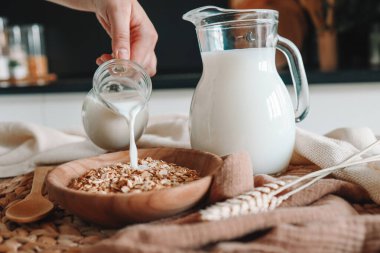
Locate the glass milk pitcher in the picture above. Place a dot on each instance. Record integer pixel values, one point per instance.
(117, 102)
(240, 102)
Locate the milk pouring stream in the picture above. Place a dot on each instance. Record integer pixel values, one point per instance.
(115, 111)
(128, 104)
(240, 102)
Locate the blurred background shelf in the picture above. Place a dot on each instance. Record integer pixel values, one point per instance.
(75, 39)
(190, 80)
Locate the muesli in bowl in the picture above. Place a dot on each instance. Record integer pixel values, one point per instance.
(146, 198)
(123, 178)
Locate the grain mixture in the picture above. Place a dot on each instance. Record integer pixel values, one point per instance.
(121, 177)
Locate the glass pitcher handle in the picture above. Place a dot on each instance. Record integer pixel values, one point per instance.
(297, 71)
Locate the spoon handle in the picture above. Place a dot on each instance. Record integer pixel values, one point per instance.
(40, 173)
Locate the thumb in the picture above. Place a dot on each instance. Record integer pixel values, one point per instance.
(120, 32)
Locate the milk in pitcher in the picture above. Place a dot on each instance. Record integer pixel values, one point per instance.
(241, 103)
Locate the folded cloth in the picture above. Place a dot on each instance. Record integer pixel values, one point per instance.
(24, 145)
(334, 148)
(166, 131)
(324, 223)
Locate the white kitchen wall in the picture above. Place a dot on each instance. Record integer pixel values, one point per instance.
(349, 105)
(332, 106)
(22, 107)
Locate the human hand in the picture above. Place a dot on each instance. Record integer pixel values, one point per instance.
(133, 34)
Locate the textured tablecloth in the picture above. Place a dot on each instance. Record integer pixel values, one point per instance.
(338, 214)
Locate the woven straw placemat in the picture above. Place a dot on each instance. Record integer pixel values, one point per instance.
(58, 232)
(64, 232)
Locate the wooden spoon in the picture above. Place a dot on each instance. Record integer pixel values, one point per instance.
(34, 207)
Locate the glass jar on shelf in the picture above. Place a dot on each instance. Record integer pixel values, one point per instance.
(37, 59)
(4, 58)
(18, 58)
(374, 47)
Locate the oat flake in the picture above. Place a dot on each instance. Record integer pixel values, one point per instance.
(121, 177)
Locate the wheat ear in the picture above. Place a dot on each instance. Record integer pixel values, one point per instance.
(268, 197)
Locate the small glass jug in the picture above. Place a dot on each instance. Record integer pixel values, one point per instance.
(119, 87)
(240, 102)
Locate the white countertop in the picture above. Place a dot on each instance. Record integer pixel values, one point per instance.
(332, 106)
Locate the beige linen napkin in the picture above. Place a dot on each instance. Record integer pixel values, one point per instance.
(314, 220)
(335, 147)
(166, 131)
(24, 145)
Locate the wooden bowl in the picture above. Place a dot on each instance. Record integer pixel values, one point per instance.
(117, 209)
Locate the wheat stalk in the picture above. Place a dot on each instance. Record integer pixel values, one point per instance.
(255, 201)
(269, 196)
